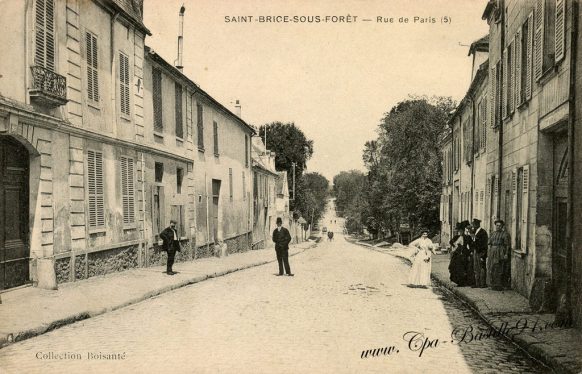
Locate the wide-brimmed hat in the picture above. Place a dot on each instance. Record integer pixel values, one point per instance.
(476, 221)
(461, 225)
(500, 221)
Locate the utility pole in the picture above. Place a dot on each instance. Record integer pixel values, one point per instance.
(293, 165)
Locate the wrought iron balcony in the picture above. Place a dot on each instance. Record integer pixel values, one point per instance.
(48, 87)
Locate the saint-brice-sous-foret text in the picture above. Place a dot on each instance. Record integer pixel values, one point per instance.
(348, 18)
(419, 343)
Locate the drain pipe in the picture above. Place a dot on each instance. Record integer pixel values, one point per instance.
(500, 138)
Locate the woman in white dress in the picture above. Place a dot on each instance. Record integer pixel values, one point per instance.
(421, 265)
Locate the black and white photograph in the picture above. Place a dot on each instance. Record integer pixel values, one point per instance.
(299, 186)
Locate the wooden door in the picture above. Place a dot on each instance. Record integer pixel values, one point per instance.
(215, 204)
(14, 245)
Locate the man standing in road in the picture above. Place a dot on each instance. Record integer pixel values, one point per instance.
(171, 244)
(479, 245)
(282, 238)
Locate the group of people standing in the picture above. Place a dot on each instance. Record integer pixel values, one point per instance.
(479, 260)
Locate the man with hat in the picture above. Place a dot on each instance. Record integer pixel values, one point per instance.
(282, 238)
(171, 244)
(498, 255)
(479, 246)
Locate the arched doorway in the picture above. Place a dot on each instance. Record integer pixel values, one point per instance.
(14, 243)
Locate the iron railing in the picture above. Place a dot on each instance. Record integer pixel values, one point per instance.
(48, 85)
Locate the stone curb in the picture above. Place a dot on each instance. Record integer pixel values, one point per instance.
(10, 338)
(525, 342)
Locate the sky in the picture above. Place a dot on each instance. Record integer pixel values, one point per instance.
(334, 79)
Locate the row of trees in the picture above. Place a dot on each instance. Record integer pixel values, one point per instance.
(403, 183)
(293, 148)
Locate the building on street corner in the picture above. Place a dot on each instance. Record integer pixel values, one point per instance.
(98, 148)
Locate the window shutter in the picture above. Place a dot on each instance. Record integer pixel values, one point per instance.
(560, 29)
(528, 75)
(492, 95)
(95, 184)
(505, 87)
(215, 132)
(525, 208)
(124, 83)
(539, 39)
(178, 106)
(157, 100)
(128, 190)
(200, 125)
(511, 63)
(44, 54)
(92, 67)
(484, 123)
(517, 62)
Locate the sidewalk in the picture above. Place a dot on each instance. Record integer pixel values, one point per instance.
(510, 313)
(30, 311)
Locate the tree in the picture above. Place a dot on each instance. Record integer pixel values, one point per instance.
(291, 146)
(314, 192)
(350, 189)
(404, 163)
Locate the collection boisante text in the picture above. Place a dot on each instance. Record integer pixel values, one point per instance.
(80, 356)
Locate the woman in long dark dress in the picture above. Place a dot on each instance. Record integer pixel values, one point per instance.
(458, 267)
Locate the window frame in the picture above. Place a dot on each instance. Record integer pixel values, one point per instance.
(100, 222)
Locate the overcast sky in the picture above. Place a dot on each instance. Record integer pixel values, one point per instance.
(334, 80)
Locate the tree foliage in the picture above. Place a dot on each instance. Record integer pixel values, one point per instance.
(350, 188)
(292, 146)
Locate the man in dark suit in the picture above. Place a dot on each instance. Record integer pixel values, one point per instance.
(480, 243)
(171, 245)
(282, 238)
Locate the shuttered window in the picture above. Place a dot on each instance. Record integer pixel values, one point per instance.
(517, 78)
(493, 96)
(246, 150)
(124, 83)
(526, 58)
(157, 100)
(525, 208)
(539, 39)
(215, 136)
(200, 125)
(179, 118)
(95, 189)
(483, 124)
(560, 33)
(92, 67)
(128, 190)
(44, 53)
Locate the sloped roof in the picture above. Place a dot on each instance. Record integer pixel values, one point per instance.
(169, 68)
(480, 45)
(133, 9)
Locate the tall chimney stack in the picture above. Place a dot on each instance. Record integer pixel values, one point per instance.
(178, 61)
(237, 108)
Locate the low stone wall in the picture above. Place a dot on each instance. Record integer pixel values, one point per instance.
(97, 263)
(155, 255)
(241, 243)
(258, 245)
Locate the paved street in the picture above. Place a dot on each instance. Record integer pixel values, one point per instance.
(344, 299)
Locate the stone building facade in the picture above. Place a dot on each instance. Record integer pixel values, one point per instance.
(264, 184)
(524, 167)
(98, 148)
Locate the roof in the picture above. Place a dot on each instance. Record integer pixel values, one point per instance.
(258, 165)
(150, 53)
(480, 45)
(133, 9)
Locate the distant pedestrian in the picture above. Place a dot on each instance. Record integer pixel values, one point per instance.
(171, 244)
(498, 255)
(479, 246)
(421, 265)
(282, 238)
(330, 236)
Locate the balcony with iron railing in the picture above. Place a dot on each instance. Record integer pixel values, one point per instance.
(48, 88)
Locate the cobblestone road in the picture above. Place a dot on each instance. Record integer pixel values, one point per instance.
(344, 299)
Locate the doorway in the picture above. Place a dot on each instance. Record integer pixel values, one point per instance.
(560, 217)
(14, 243)
(215, 202)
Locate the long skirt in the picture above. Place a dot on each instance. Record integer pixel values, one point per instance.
(497, 266)
(458, 268)
(420, 271)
